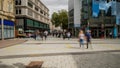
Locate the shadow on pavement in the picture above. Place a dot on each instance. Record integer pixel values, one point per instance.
(18, 65)
(6, 66)
(102, 60)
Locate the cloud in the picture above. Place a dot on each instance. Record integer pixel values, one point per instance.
(55, 5)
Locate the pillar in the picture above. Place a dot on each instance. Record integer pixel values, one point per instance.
(2, 24)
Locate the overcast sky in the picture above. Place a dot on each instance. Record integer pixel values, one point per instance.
(55, 5)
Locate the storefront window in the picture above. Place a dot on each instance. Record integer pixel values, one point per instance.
(8, 29)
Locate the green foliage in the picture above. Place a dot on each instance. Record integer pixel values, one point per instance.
(60, 18)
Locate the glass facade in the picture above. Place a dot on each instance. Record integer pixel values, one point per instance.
(8, 29)
(29, 22)
(36, 24)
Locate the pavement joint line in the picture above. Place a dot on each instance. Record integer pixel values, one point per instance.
(54, 54)
(112, 47)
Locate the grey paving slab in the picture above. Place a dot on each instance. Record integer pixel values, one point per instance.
(67, 54)
(104, 60)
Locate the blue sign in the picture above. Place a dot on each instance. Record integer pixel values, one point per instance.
(113, 7)
(9, 23)
(0, 22)
(102, 5)
(95, 8)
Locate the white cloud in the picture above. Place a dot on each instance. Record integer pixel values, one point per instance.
(55, 5)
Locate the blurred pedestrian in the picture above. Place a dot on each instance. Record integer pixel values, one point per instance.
(41, 35)
(45, 34)
(68, 35)
(111, 34)
(88, 38)
(81, 37)
(64, 35)
(119, 35)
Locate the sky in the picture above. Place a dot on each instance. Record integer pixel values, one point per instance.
(55, 5)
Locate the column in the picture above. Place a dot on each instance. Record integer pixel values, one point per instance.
(2, 24)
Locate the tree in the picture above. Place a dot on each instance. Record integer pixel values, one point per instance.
(63, 16)
(55, 19)
(60, 19)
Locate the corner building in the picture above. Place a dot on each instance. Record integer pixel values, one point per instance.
(31, 15)
(74, 9)
(7, 19)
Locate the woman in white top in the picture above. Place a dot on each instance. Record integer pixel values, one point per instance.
(81, 37)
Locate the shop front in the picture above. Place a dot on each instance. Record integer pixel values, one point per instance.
(8, 29)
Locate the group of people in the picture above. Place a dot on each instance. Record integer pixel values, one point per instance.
(67, 35)
(64, 34)
(85, 37)
(39, 34)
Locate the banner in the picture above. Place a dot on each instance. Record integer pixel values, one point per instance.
(95, 8)
(102, 5)
(118, 13)
(113, 7)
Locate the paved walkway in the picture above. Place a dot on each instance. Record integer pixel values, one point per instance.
(55, 52)
(10, 42)
(57, 46)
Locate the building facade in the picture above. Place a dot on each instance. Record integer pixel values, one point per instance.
(31, 15)
(7, 19)
(74, 15)
(100, 16)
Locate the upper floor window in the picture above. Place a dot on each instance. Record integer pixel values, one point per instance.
(10, 6)
(18, 11)
(36, 9)
(17, 2)
(41, 11)
(30, 5)
(30, 13)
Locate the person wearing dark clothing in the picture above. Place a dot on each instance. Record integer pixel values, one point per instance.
(64, 35)
(41, 35)
(88, 38)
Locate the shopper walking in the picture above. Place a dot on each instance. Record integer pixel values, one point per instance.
(45, 34)
(88, 38)
(41, 35)
(81, 37)
(68, 35)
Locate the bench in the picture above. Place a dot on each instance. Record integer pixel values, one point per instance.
(35, 64)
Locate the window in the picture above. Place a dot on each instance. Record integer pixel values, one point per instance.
(36, 15)
(30, 13)
(18, 11)
(41, 12)
(30, 5)
(36, 9)
(17, 2)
